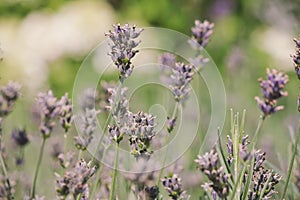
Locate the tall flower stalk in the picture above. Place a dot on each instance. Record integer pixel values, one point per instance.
(50, 108)
(122, 42)
(181, 74)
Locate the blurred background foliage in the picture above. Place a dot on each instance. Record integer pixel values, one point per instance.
(45, 41)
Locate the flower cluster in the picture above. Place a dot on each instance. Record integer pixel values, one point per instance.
(8, 96)
(88, 127)
(201, 34)
(140, 127)
(66, 116)
(74, 182)
(296, 57)
(118, 105)
(272, 89)
(260, 173)
(144, 173)
(173, 186)
(210, 166)
(181, 77)
(105, 94)
(88, 98)
(167, 61)
(263, 178)
(122, 44)
(141, 131)
(50, 108)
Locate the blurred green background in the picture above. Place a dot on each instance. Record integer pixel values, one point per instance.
(45, 41)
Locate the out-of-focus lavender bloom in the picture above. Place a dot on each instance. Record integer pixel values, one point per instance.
(181, 77)
(8, 96)
(65, 116)
(272, 89)
(144, 172)
(198, 62)
(74, 182)
(173, 186)
(65, 160)
(122, 44)
(89, 125)
(20, 137)
(49, 108)
(296, 57)
(6, 188)
(151, 193)
(201, 34)
(273, 86)
(171, 124)
(56, 147)
(88, 98)
(167, 61)
(104, 94)
(119, 105)
(209, 165)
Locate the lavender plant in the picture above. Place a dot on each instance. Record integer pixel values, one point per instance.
(241, 173)
(272, 89)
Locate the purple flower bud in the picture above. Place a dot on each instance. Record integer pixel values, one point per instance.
(201, 34)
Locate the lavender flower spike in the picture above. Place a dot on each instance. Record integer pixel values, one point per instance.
(122, 47)
(8, 96)
(273, 86)
(49, 109)
(181, 76)
(201, 34)
(272, 89)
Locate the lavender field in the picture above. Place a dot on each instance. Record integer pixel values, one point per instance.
(154, 100)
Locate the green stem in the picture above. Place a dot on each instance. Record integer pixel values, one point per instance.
(106, 124)
(167, 142)
(66, 144)
(79, 196)
(291, 163)
(112, 190)
(32, 193)
(236, 153)
(254, 140)
(9, 196)
(79, 155)
(94, 186)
